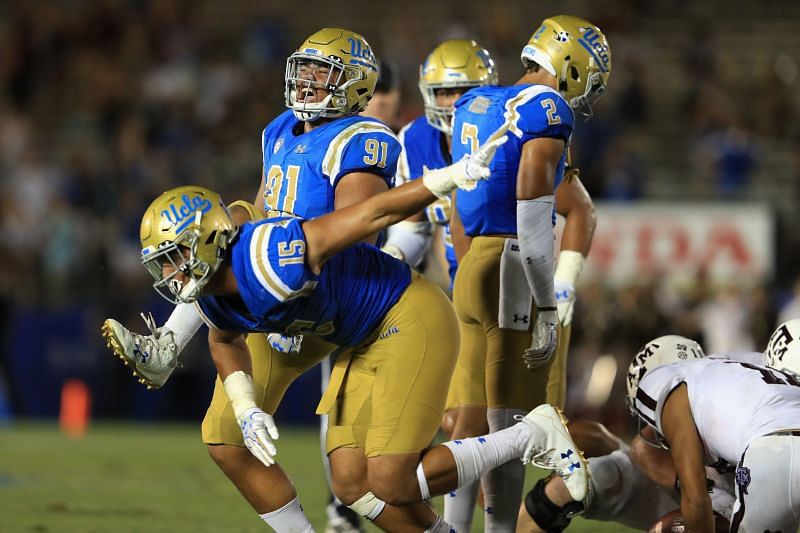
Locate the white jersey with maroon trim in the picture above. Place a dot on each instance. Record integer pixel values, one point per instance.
(733, 402)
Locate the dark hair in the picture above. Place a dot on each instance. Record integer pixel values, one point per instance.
(388, 78)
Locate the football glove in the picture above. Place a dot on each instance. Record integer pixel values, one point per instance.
(260, 433)
(288, 344)
(545, 336)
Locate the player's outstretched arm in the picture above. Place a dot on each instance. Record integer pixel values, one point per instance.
(687, 453)
(329, 234)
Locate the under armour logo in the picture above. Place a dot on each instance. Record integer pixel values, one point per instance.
(562, 295)
(518, 318)
(482, 440)
(301, 148)
(567, 456)
(143, 356)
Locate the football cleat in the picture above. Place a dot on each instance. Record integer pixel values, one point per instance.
(551, 447)
(152, 358)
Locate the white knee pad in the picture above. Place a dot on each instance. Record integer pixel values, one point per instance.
(368, 506)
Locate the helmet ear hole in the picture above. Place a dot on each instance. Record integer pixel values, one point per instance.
(211, 237)
(573, 72)
(362, 91)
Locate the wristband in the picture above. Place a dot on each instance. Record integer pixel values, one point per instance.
(569, 266)
(239, 388)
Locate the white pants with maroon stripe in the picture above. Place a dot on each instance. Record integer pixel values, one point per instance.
(768, 486)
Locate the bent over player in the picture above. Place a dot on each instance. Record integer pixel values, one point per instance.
(292, 276)
(318, 156)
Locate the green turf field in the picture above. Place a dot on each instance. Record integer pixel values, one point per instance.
(145, 478)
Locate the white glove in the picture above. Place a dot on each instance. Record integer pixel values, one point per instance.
(565, 301)
(466, 173)
(285, 344)
(259, 432)
(545, 336)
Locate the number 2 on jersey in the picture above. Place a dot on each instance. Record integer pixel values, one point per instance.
(274, 186)
(550, 110)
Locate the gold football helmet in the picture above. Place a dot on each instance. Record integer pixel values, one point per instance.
(352, 74)
(190, 229)
(453, 64)
(576, 52)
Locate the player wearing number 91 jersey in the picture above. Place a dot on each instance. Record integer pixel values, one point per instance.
(302, 170)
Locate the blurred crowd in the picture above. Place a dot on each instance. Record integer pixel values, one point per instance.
(104, 104)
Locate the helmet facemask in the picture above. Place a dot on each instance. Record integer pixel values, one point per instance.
(340, 77)
(595, 87)
(181, 255)
(440, 116)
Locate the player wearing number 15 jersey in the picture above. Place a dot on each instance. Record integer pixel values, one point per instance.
(318, 156)
(504, 291)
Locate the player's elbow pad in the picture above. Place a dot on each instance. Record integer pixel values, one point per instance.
(411, 239)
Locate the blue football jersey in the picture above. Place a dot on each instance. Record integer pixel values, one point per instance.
(279, 293)
(536, 111)
(425, 147)
(302, 170)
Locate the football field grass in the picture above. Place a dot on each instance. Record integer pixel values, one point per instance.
(147, 478)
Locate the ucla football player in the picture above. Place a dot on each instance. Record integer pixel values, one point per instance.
(386, 396)
(451, 69)
(318, 156)
(504, 291)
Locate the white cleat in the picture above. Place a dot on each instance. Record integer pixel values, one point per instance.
(551, 447)
(152, 358)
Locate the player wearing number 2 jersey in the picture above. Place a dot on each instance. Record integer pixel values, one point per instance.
(509, 265)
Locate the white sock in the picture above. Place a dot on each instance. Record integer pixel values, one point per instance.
(183, 323)
(459, 506)
(502, 486)
(440, 526)
(290, 517)
(477, 455)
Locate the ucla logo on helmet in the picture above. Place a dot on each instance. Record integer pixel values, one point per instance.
(360, 51)
(591, 41)
(181, 213)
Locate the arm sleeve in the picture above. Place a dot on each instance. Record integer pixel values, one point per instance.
(536, 241)
(411, 239)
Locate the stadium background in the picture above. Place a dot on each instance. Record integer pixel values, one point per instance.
(104, 104)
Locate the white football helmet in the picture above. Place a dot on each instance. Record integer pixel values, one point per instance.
(661, 351)
(783, 349)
